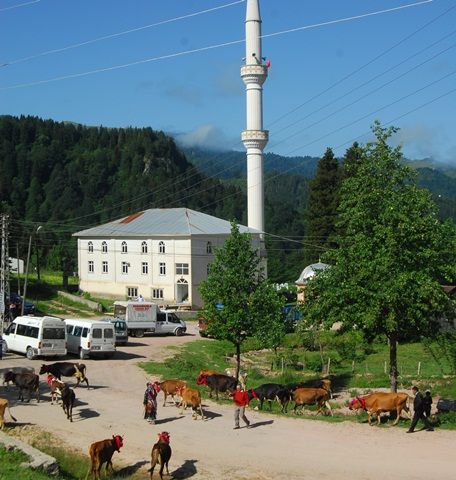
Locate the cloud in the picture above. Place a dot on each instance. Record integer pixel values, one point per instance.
(227, 81)
(188, 94)
(205, 136)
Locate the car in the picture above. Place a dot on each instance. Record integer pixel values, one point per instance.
(14, 302)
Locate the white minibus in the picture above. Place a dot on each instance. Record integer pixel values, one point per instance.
(90, 338)
(36, 336)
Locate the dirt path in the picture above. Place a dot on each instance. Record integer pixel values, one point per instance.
(274, 448)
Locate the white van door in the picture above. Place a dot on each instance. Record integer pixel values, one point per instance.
(9, 335)
(103, 338)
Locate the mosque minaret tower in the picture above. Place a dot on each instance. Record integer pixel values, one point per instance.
(254, 73)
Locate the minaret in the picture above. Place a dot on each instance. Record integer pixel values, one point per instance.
(254, 73)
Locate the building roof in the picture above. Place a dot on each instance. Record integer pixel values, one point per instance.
(164, 222)
(310, 271)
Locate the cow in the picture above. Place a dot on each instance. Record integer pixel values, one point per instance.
(102, 452)
(24, 381)
(169, 388)
(4, 406)
(56, 387)
(207, 371)
(270, 392)
(318, 383)
(218, 382)
(379, 402)
(66, 369)
(311, 396)
(192, 397)
(68, 399)
(161, 453)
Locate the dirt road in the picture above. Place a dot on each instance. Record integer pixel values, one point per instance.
(275, 447)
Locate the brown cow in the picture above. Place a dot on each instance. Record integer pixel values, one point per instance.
(169, 388)
(207, 371)
(56, 387)
(102, 452)
(379, 402)
(161, 453)
(311, 396)
(192, 397)
(4, 406)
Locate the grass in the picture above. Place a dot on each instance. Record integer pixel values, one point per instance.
(368, 373)
(10, 466)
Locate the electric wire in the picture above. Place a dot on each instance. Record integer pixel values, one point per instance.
(200, 49)
(19, 5)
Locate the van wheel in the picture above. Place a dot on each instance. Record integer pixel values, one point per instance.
(139, 333)
(82, 355)
(179, 332)
(29, 353)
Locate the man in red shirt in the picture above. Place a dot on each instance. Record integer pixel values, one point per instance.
(241, 400)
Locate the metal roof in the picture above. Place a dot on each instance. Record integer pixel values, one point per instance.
(310, 271)
(164, 222)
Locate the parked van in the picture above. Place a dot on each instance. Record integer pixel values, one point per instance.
(120, 329)
(90, 338)
(36, 336)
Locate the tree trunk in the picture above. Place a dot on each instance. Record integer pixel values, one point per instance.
(392, 340)
(238, 359)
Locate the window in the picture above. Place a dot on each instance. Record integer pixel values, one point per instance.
(77, 332)
(27, 331)
(97, 333)
(125, 266)
(54, 333)
(69, 329)
(85, 332)
(104, 247)
(132, 292)
(208, 247)
(124, 247)
(161, 247)
(108, 333)
(162, 268)
(91, 266)
(90, 247)
(144, 247)
(157, 293)
(104, 266)
(145, 268)
(181, 268)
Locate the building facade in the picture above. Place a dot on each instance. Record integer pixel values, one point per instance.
(161, 254)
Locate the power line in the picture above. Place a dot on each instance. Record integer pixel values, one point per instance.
(19, 5)
(119, 34)
(202, 49)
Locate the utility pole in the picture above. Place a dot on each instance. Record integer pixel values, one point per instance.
(4, 271)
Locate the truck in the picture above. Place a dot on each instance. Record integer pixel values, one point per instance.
(142, 317)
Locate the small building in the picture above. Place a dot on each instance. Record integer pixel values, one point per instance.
(161, 254)
(309, 272)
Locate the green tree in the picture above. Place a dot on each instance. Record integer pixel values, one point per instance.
(320, 216)
(250, 303)
(384, 275)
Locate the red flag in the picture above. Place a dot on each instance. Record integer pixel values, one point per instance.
(268, 63)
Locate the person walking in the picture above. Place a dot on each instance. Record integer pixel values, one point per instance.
(418, 411)
(241, 400)
(427, 401)
(150, 402)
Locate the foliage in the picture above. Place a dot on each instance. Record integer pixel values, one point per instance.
(11, 469)
(238, 301)
(443, 348)
(384, 275)
(321, 208)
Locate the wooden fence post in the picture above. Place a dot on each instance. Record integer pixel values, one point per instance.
(419, 368)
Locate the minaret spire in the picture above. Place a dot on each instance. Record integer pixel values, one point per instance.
(254, 73)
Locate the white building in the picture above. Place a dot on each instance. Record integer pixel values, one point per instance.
(161, 254)
(309, 272)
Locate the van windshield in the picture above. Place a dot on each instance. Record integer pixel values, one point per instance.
(54, 333)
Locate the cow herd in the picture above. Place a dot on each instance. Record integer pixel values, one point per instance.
(317, 393)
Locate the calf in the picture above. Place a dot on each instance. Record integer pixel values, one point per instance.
(56, 387)
(68, 399)
(318, 383)
(379, 402)
(218, 382)
(161, 453)
(192, 397)
(102, 452)
(270, 392)
(66, 369)
(169, 388)
(311, 396)
(4, 406)
(24, 381)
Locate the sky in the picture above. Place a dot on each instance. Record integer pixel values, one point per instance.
(336, 66)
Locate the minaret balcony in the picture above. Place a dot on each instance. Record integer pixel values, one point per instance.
(255, 138)
(254, 74)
